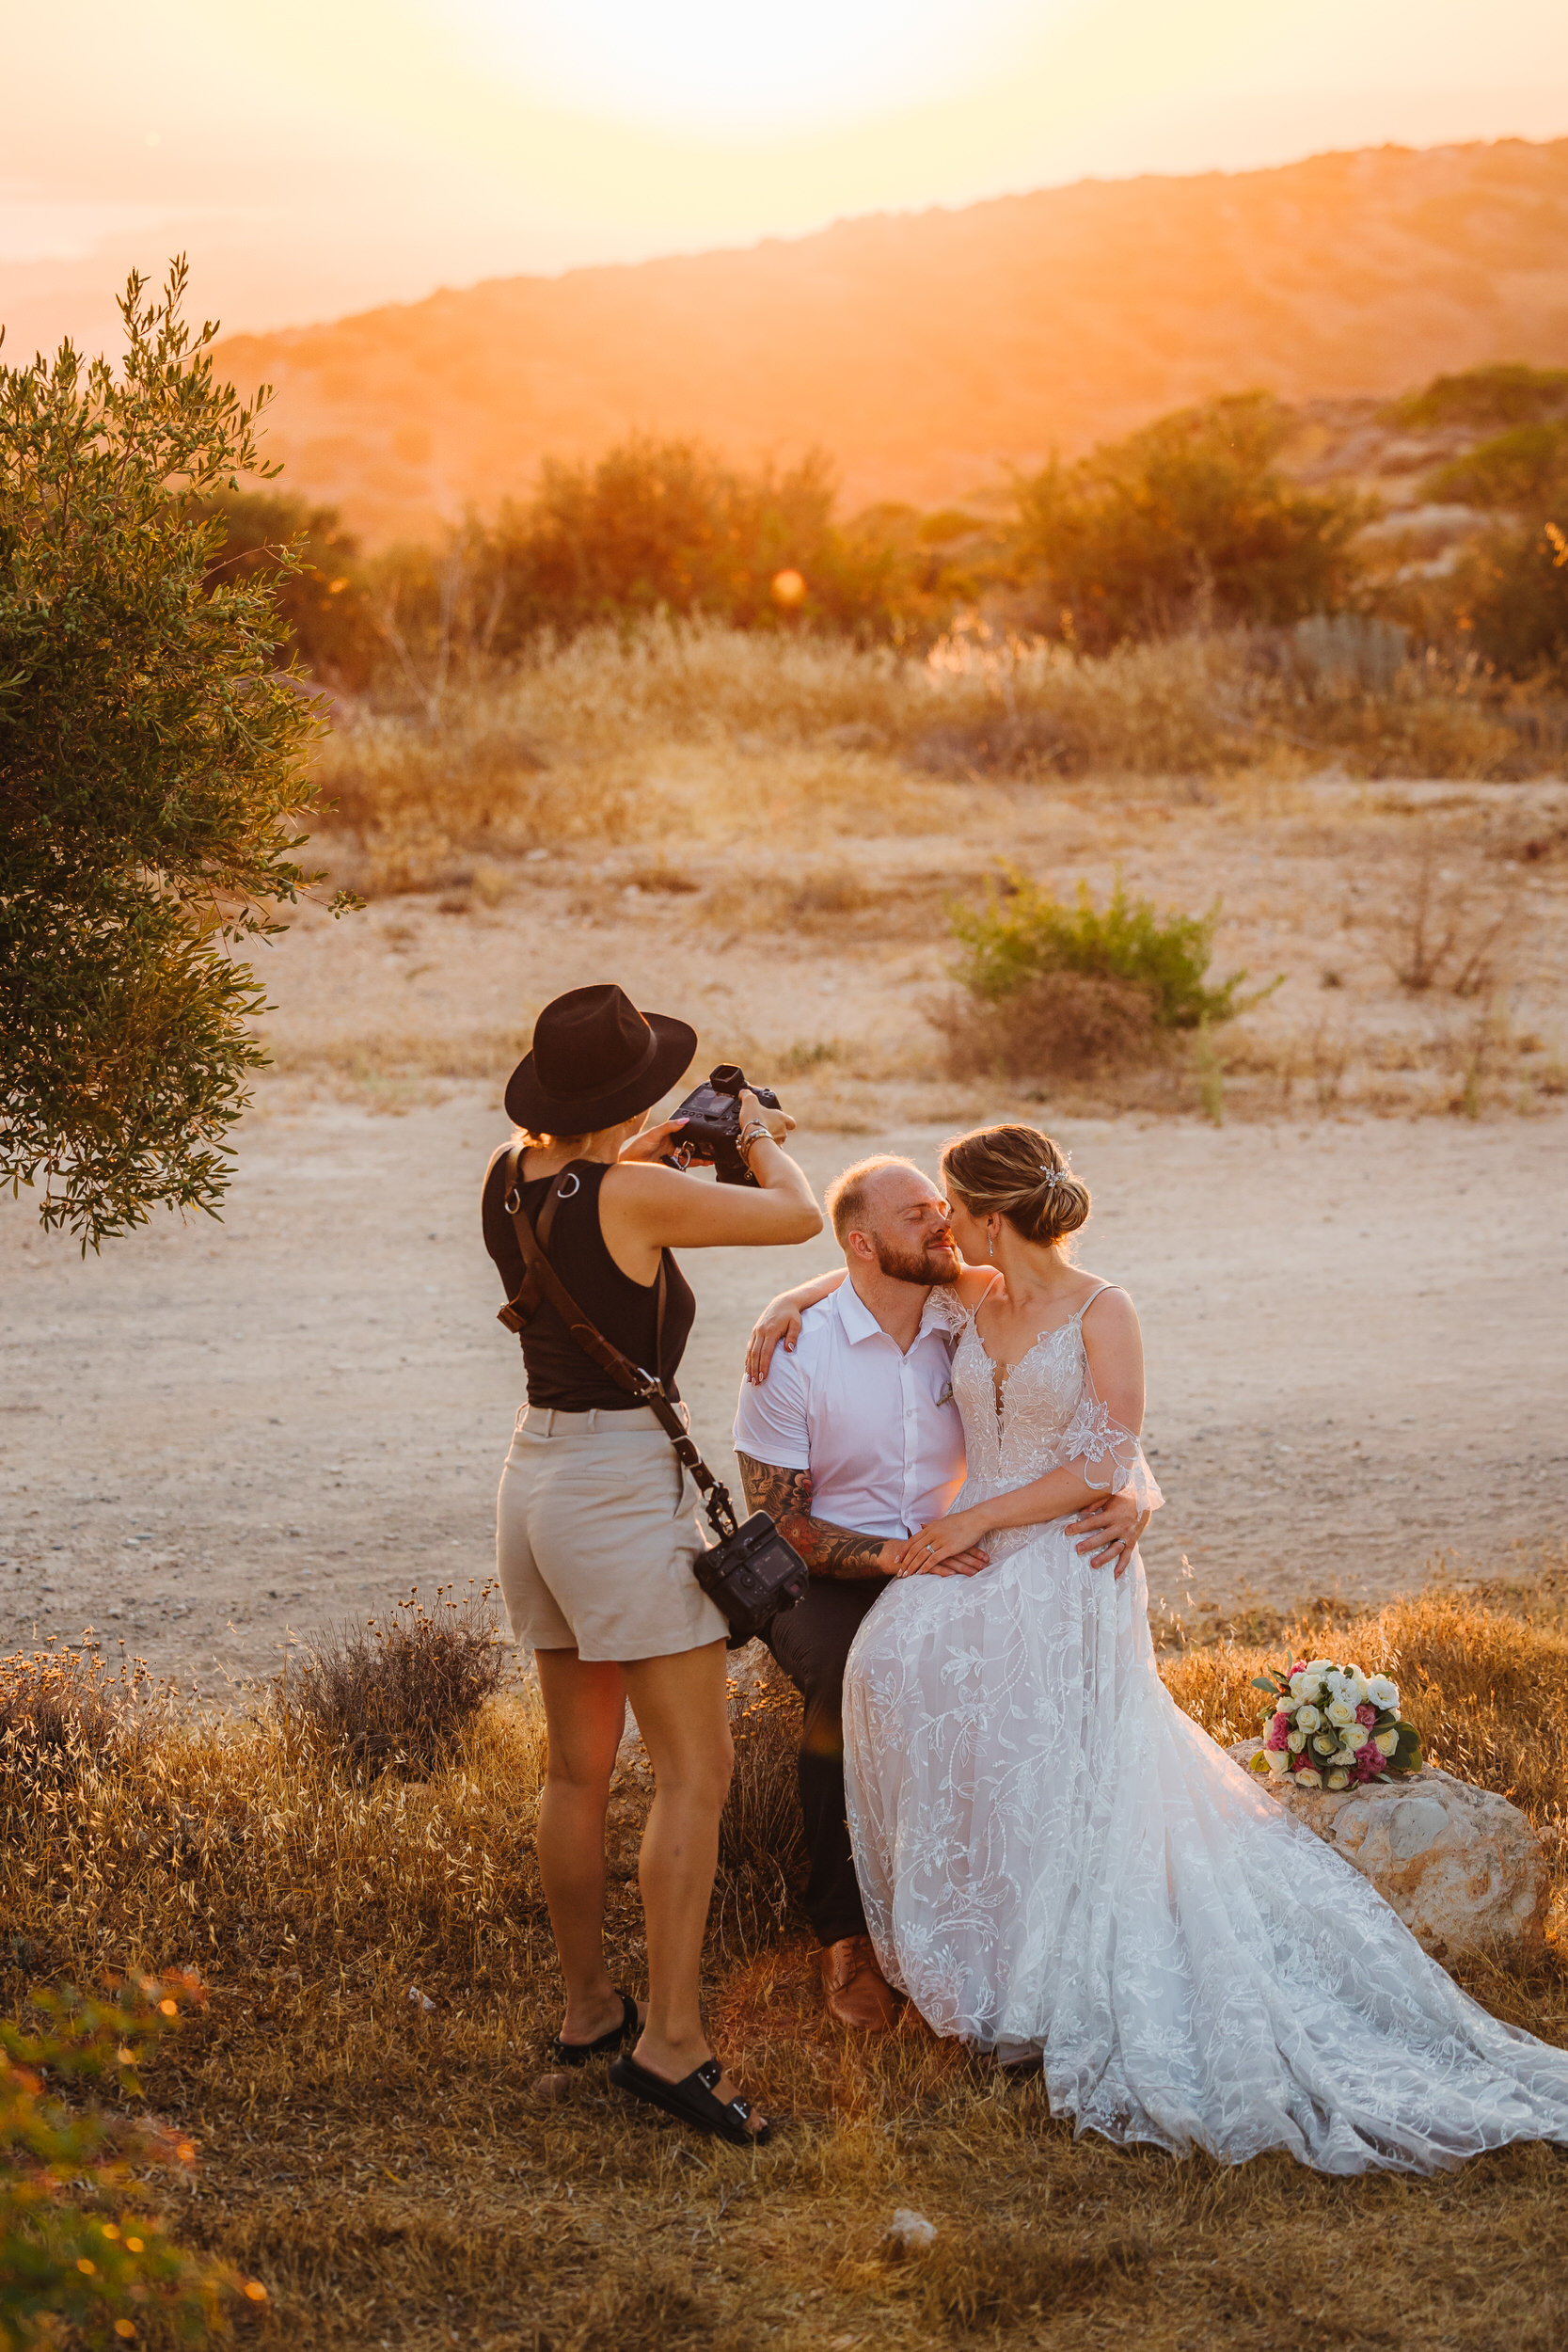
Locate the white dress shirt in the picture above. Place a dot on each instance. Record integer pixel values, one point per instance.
(878, 1430)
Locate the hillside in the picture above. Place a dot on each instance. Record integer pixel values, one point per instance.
(928, 351)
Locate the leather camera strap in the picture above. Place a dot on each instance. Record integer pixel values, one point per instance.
(542, 1280)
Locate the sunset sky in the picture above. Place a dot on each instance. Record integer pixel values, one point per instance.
(318, 156)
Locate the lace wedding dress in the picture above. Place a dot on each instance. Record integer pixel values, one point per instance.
(1057, 1861)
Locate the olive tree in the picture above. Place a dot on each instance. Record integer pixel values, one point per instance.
(152, 777)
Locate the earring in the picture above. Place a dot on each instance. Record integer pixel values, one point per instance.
(990, 1245)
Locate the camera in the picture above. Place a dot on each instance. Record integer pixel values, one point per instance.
(711, 1137)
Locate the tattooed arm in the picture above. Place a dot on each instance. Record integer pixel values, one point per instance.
(830, 1551)
(827, 1549)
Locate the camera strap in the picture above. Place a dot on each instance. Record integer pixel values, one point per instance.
(542, 1281)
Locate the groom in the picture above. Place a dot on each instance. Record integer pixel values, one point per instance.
(852, 1442)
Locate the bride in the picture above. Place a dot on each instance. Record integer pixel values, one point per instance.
(1059, 1865)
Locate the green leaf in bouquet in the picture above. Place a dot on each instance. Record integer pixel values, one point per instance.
(1269, 1683)
(1261, 1762)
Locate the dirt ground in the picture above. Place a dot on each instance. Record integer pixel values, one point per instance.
(216, 1434)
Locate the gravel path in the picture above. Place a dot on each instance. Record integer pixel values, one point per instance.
(215, 1434)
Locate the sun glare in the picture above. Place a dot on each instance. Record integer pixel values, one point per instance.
(709, 65)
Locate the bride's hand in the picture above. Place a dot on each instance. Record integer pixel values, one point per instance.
(948, 1547)
(779, 1325)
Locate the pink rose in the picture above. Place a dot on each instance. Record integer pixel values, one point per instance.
(1369, 1763)
(1299, 1668)
(1366, 1713)
(1278, 1732)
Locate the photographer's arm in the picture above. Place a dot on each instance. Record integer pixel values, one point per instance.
(828, 1550)
(649, 1208)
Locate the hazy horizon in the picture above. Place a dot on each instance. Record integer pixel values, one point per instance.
(378, 150)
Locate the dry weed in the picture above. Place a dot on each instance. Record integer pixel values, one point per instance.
(1445, 927)
(401, 1694)
(64, 1710)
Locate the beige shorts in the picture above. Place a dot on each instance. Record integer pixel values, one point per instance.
(595, 1535)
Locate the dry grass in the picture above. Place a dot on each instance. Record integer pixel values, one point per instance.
(623, 735)
(386, 2167)
(1488, 1693)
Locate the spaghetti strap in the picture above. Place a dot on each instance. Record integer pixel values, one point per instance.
(1083, 1311)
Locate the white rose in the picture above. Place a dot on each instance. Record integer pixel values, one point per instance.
(1355, 1736)
(1307, 1778)
(1386, 1741)
(1383, 1692)
(1320, 1665)
(1340, 1711)
(1275, 1760)
(1311, 1687)
(1296, 1741)
(1324, 1743)
(1307, 1719)
(1338, 1780)
(1343, 1756)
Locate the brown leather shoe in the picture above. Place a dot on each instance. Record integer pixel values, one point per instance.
(856, 1992)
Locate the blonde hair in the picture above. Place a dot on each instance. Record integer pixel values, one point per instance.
(845, 1196)
(1018, 1173)
(534, 1139)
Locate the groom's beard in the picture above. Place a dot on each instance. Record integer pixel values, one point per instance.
(938, 1262)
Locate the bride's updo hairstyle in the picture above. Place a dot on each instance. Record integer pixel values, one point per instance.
(1020, 1174)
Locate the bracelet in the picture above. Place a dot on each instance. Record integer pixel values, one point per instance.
(758, 1132)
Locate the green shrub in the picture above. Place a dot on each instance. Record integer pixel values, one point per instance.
(81, 2258)
(1018, 937)
(153, 768)
(1526, 467)
(311, 564)
(1505, 393)
(1189, 519)
(1509, 600)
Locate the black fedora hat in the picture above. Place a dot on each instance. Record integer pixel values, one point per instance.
(595, 1060)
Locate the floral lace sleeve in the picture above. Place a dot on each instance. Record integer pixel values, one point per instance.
(1106, 1455)
(948, 1308)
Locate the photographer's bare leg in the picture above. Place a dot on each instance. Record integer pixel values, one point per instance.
(585, 1708)
(682, 1711)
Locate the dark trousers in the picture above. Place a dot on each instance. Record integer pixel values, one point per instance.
(810, 1643)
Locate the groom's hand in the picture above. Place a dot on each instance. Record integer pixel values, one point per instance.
(1111, 1531)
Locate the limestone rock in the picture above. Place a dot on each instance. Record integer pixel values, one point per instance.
(1461, 1865)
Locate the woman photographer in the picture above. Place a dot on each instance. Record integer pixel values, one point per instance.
(596, 1532)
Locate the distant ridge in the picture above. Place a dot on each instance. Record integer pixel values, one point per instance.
(928, 351)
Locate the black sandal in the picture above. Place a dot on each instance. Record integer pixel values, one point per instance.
(691, 2100)
(579, 2053)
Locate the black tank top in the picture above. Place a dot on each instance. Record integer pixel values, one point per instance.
(559, 1377)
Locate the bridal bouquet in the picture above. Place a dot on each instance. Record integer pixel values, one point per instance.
(1333, 1726)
